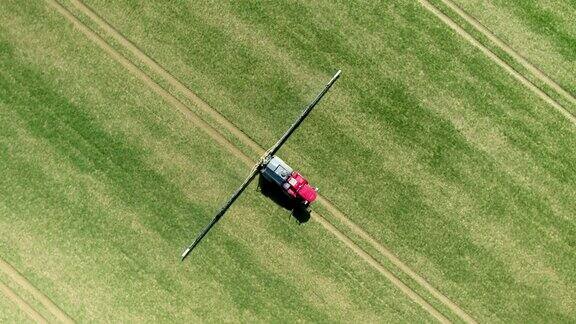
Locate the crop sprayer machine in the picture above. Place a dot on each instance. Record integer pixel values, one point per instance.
(276, 171)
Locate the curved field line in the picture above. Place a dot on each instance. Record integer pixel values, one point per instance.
(509, 50)
(37, 294)
(246, 140)
(22, 304)
(460, 31)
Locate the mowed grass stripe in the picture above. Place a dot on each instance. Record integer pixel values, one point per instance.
(246, 140)
(22, 304)
(35, 292)
(510, 51)
(173, 81)
(460, 31)
(220, 139)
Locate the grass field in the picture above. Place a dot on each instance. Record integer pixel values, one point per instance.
(531, 40)
(425, 144)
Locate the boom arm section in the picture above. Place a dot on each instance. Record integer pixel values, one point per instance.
(222, 210)
(303, 116)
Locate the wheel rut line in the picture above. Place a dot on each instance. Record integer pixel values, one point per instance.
(22, 304)
(375, 264)
(154, 66)
(15, 276)
(510, 51)
(246, 140)
(388, 254)
(212, 132)
(496, 59)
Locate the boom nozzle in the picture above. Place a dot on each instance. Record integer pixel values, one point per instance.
(185, 253)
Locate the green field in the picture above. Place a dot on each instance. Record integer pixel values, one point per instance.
(425, 143)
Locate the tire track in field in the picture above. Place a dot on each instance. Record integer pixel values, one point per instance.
(396, 261)
(248, 161)
(510, 51)
(486, 51)
(154, 66)
(22, 304)
(15, 276)
(375, 264)
(149, 82)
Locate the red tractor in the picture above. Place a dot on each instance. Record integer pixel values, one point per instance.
(293, 183)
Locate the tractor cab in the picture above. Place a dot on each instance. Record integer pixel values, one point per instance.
(292, 182)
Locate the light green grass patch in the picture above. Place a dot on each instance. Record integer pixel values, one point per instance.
(10, 313)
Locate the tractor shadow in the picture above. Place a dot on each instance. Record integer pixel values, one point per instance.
(275, 193)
